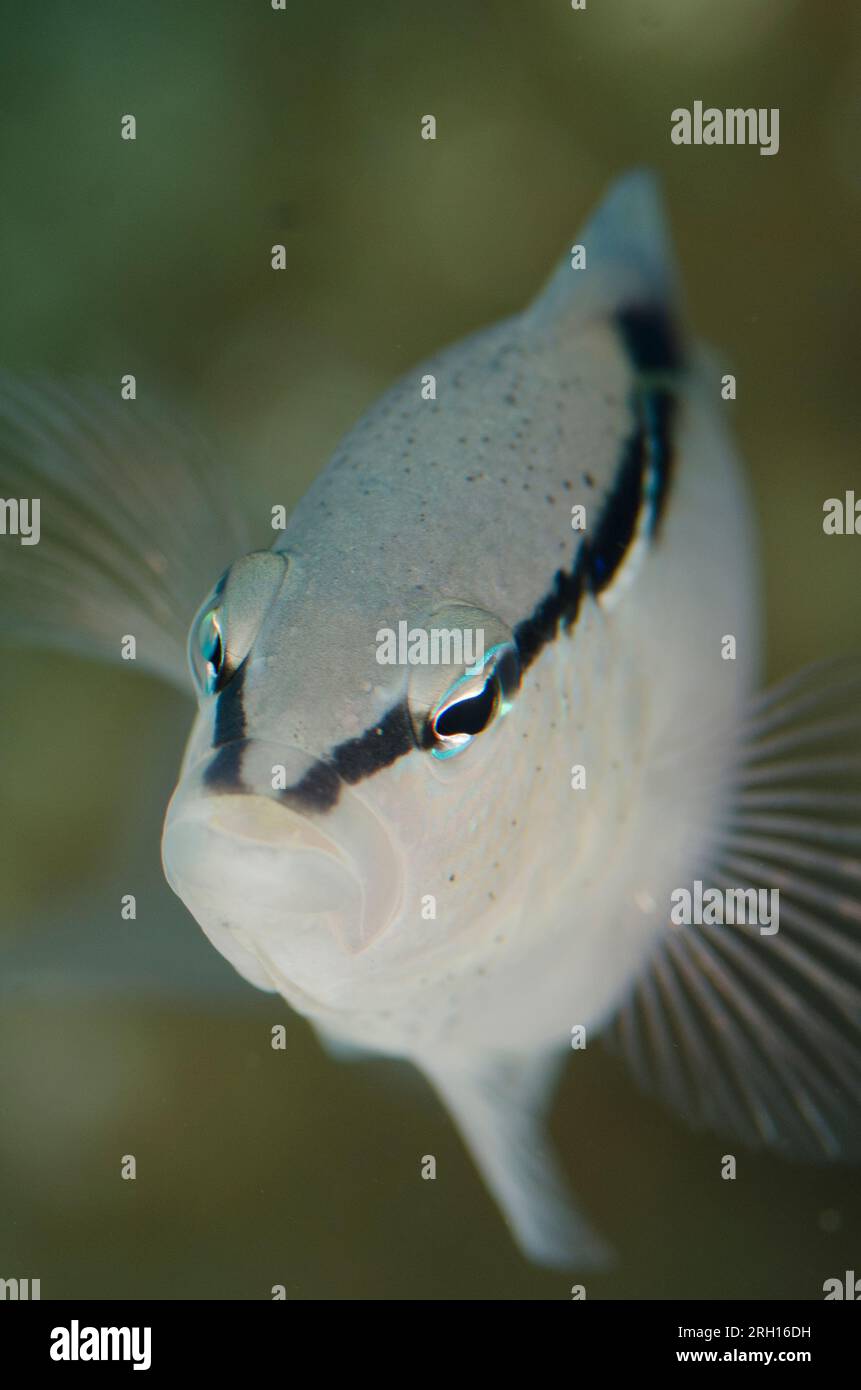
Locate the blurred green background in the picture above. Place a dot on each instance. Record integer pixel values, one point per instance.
(258, 1167)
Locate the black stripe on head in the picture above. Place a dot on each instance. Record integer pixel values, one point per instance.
(643, 477)
(607, 548)
(230, 710)
(659, 408)
(560, 605)
(377, 747)
(651, 338)
(653, 345)
(318, 790)
(225, 771)
(353, 761)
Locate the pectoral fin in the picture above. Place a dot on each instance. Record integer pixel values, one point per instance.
(758, 1034)
(135, 519)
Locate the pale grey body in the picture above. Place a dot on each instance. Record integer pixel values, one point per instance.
(468, 912)
(546, 899)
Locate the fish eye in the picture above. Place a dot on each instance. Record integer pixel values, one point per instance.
(473, 703)
(226, 626)
(211, 648)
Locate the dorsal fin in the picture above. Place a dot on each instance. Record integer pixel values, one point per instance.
(629, 259)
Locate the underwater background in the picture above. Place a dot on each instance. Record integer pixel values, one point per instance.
(258, 1167)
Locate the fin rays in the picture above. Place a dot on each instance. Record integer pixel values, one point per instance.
(757, 1035)
(136, 523)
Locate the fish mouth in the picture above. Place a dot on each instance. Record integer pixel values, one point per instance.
(302, 884)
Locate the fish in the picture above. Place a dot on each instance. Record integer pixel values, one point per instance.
(469, 864)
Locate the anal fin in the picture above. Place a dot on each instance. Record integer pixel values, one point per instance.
(500, 1108)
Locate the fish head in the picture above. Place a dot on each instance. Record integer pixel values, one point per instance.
(344, 756)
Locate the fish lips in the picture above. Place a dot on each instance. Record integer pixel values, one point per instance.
(269, 843)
